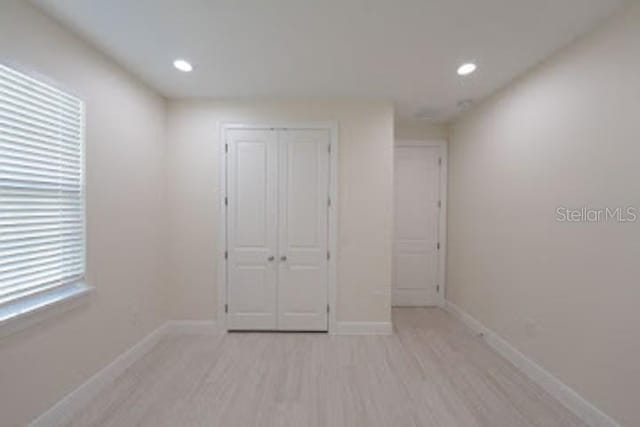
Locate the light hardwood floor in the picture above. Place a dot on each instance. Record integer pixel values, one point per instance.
(430, 372)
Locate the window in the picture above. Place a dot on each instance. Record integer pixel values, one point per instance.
(41, 194)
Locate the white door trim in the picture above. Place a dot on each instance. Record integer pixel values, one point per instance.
(442, 226)
(332, 127)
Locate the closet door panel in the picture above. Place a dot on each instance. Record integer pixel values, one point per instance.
(303, 196)
(252, 229)
(417, 216)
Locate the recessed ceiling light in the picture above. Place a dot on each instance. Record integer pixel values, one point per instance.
(182, 65)
(466, 69)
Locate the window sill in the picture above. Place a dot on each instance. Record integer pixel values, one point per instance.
(21, 314)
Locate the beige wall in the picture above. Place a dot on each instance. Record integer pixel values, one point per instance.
(566, 295)
(365, 199)
(125, 190)
(420, 130)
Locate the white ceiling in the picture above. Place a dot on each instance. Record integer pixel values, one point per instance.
(406, 51)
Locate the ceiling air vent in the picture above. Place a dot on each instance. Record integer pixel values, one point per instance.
(428, 113)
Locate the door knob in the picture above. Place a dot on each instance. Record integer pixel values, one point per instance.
(283, 258)
(271, 258)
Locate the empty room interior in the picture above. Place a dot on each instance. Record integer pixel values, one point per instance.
(340, 213)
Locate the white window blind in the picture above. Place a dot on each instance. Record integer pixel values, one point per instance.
(41, 187)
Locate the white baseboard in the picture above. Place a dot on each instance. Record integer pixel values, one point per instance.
(364, 328)
(62, 412)
(591, 415)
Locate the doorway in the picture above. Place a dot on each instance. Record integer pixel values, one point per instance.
(419, 223)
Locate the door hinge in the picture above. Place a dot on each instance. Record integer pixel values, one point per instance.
(439, 203)
(226, 255)
(439, 161)
(226, 201)
(328, 308)
(438, 245)
(328, 201)
(329, 148)
(226, 148)
(438, 288)
(226, 308)
(328, 255)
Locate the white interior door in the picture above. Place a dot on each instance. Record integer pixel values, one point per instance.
(417, 213)
(252, 187)
(277, 229)
(303, 197)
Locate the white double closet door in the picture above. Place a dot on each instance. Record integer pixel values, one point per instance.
(277, 229)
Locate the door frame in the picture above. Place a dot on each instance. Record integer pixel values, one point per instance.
(332, 128)
(442, 223)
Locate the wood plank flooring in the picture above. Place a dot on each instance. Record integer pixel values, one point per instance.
(430, 372)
